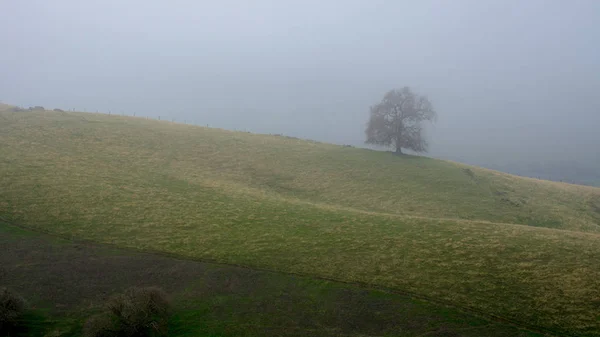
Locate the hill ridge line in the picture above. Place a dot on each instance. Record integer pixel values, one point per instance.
(180, 124)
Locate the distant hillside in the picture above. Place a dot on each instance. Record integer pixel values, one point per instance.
(470, 236)
(570, 172)
(580, 169)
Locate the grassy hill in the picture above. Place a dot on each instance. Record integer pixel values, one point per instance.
(522, 249)
(68, 281)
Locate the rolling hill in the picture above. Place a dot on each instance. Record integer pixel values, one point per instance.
(520, 249)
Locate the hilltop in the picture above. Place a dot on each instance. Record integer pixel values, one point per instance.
(522, 249)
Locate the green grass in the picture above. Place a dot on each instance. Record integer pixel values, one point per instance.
(66, 282)
(523, 249)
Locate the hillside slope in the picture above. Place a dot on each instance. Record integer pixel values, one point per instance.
(308, 171)
(473, 237)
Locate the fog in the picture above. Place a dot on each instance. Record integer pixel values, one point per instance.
(515, 83)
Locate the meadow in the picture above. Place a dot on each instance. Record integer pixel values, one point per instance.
(509, 248)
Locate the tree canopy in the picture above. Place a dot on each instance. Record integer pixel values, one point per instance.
(396, 121)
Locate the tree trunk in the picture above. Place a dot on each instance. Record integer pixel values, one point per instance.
(398, 143)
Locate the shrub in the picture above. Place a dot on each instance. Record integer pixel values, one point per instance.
(59, 110)
(139, 312)
(102, 325)
(469, 172)
(12, 307)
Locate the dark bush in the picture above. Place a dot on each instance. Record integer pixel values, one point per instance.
(469, 172)
(59, 110)
(12, 307)
(139, 312)
(37, 107)
(103, 325)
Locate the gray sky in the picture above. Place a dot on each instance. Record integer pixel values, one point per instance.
(513, 81)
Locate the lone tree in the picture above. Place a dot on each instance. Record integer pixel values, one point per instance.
(396, 121)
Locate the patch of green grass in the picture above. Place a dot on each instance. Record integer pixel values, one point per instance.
(474, 238)
(73, 280)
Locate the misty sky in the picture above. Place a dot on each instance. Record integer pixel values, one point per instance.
(512, 81)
